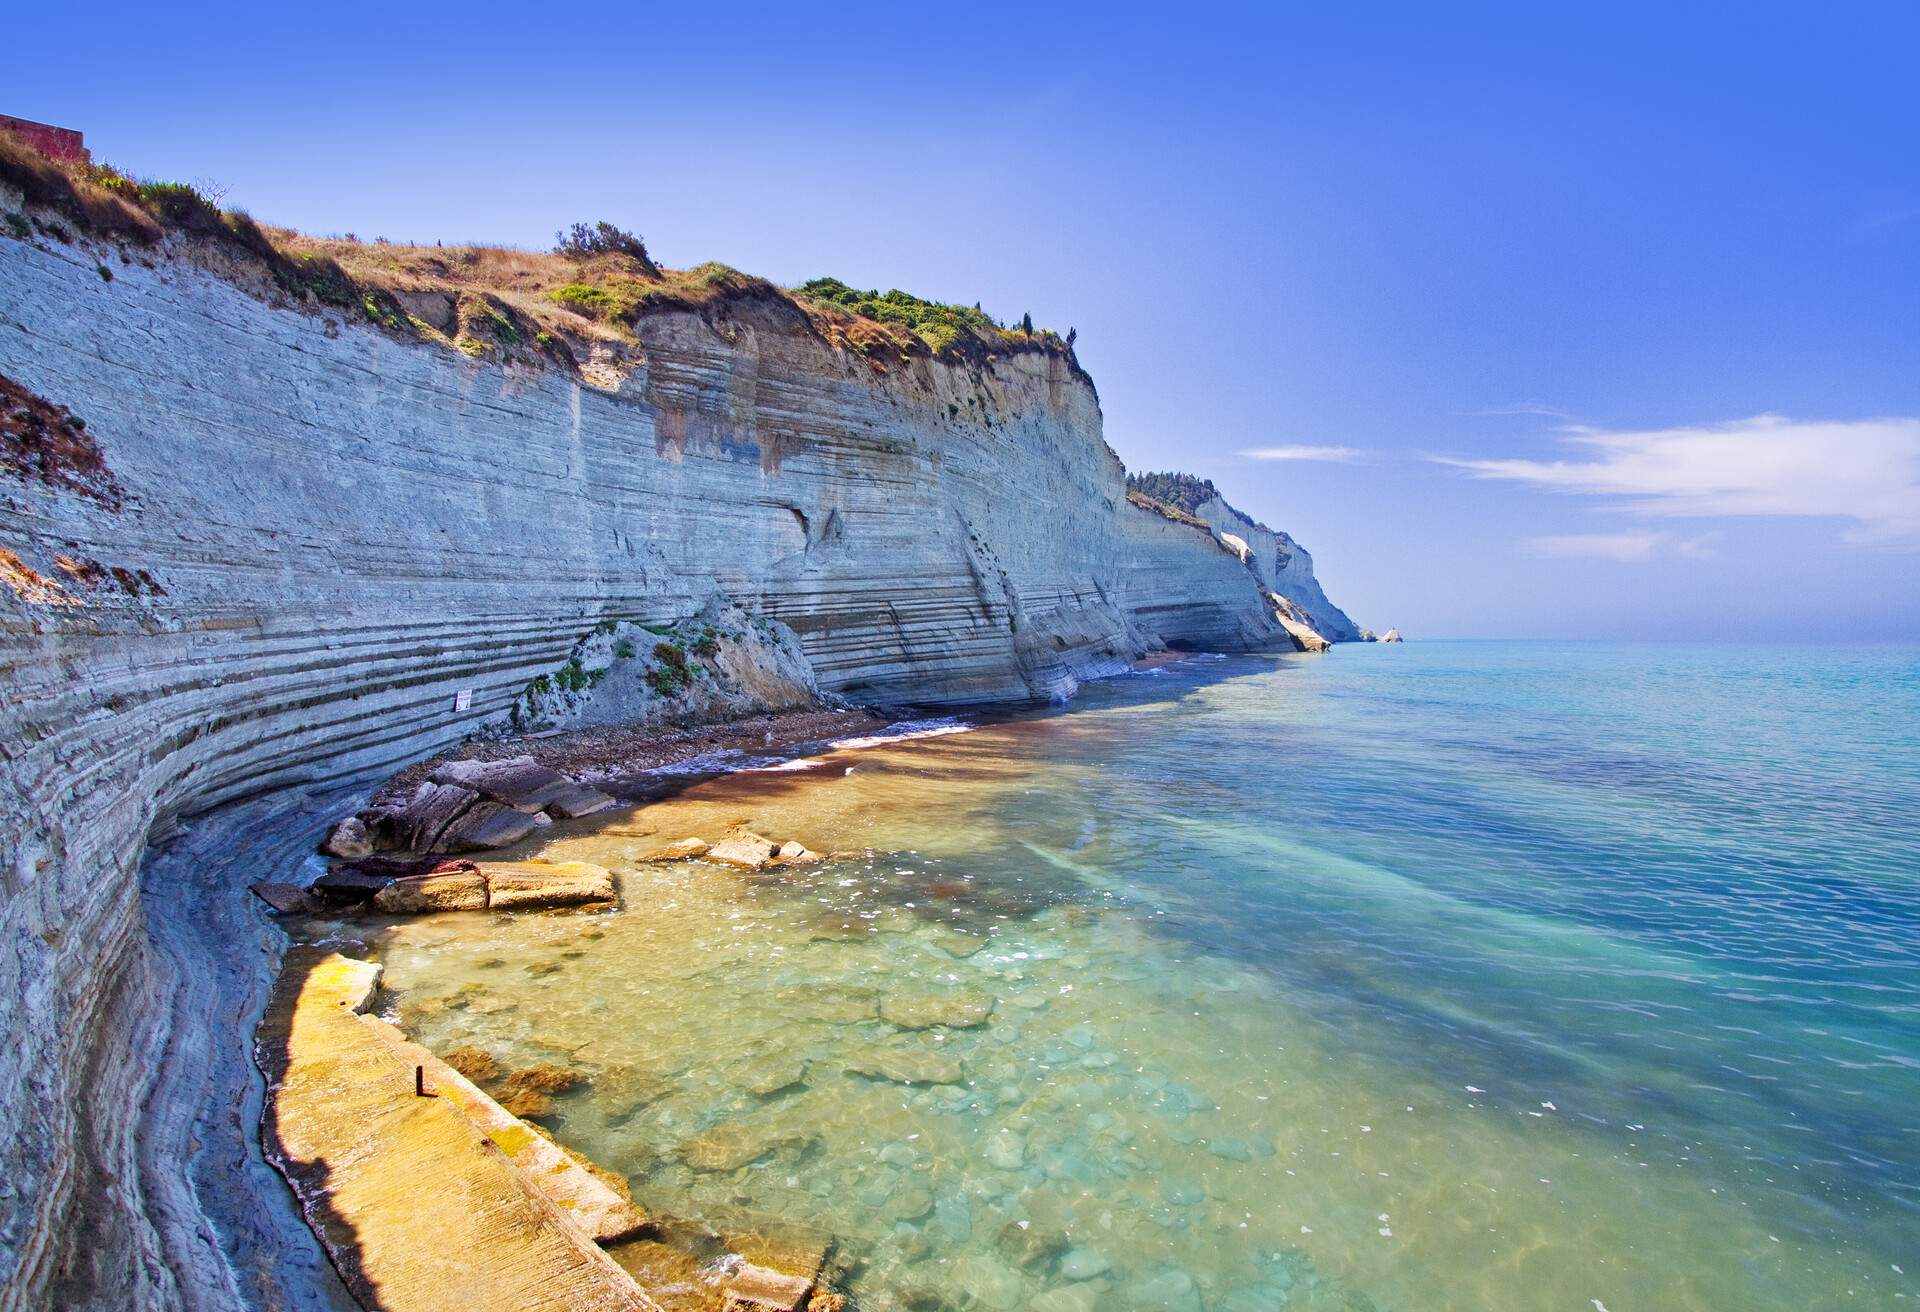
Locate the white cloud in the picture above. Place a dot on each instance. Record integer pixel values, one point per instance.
(1866, 471)
(1336, 453)
(1631, 548)
(1521, 408)
(1601, 546)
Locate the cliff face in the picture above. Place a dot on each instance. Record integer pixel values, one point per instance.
(306, 537)
(1283, 566)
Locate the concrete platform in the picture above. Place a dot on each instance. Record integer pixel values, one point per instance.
(419, 1209)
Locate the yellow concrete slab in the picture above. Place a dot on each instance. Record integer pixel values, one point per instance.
(420, 1210)
(591, 1203)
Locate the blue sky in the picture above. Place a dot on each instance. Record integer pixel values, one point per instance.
(1570, 324)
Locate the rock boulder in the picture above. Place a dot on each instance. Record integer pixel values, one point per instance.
(518, 885)
(743, 847)
(420, 894)
(349, 840)
(484, 825)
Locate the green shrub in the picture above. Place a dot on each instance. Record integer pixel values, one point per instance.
(594, 302)
(179, 204)
(942, 327)
(572, 677)
(583, 241)
(672, 673)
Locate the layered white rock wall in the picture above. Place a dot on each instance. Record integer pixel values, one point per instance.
(1283, 566)
(349, 529)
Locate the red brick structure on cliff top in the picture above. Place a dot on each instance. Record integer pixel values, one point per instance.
(53, 142)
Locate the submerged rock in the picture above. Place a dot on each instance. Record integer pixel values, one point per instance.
(545, 1077)
(765, 1076)
(734, 1144)
(528, 1104)
(958, 943)
(839, 1004)
(756, 1288)
(903, 1066)
(1006, 1151)
(684, 850)
(927, 1011)
(529, 1092)
(1073, 1298)
(1172, 1290)
(1032, 1247)
(1084, 1264)
(988, 1283)
(476, 1063)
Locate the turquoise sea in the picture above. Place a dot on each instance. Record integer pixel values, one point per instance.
(1453, 975)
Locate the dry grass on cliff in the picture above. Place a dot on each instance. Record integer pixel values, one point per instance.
(533, 305)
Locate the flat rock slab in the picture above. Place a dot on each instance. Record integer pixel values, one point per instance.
(902, 1067)
(483, 825)
(523, 784)
(684, 850)
(358, 881)
(419, 894)
(419, 1210)
(525, 884)
(520, 782)
(762, 1289)
(579, 800)
(743, 848)
(589, 1201)
(731, 1145)
(927, 1011)
(430, 810)
(285, 899)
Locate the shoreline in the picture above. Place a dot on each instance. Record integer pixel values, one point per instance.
(639, 767)
(372, 1243)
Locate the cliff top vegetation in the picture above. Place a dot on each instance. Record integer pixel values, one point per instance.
(1179, 496)
(1174, 490)
(599, 281)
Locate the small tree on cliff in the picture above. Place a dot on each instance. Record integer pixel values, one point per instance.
(583, 241)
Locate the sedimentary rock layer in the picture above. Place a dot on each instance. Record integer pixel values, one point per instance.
(1283, 566)
(317, 536)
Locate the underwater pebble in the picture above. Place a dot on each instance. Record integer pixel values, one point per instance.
(1083, 1264)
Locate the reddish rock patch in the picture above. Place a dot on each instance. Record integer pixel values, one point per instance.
(41, 442)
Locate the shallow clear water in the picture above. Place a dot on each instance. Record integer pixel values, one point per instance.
(1453, 975)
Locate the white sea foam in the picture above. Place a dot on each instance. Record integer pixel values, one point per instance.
(904, 731)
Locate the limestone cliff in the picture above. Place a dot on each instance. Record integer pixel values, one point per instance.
(1279, 563)
(254, 555)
